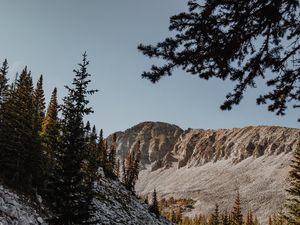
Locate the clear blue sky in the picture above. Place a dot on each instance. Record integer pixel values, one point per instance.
(50, 36)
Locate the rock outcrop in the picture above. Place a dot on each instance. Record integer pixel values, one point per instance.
(209, 166)
(15, 210)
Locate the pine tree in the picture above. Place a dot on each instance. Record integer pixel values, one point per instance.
(117, 169)
(250, 220)
(74, 189)
(111, 162)
(154, 204)
(3, 90)
(87, 130)
(128, 170)
(270, 220)
(50, 142)
(215, 218)
(293, 202)
(226, 219)
(3, 81)
(20, 146)
(93, 154)
(136, 165)
(123, 174)
(132, 167)
(36, 157)
(50, 129)
(39, 102)
(102, 150)
(237, 217)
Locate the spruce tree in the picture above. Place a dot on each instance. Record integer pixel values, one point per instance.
(3, 81)
(39, 102)
(20, 146)
(50, 129)
(93, 155)
(215, 218)
(128, 171)
(136, 164)
(270, 220)
(293, 202)
(117, 168)
(154, 204)
(102, 150)
(132, 167)
(111, 162)
(123, 170)
(3, 89)
(237, 217)
(74, 189)
(250, 220)
(226, 219)
(50, 141)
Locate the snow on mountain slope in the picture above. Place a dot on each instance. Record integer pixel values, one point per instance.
(117, 206)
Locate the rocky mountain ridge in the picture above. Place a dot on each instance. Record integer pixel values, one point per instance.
(211, 165)
(163, 143)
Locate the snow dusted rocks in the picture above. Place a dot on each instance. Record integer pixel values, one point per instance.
(117, 206)
(13, 211)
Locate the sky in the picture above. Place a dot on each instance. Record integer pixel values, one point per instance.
(50, 37)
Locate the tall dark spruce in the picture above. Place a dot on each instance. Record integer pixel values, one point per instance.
(74, 188)
(50, 135)
(109, 168)
(154, 204)
(131, 170)
(237, 216)
(20, 146)
(293, 203)
(39, 102)
(3, 89)
(3, 81)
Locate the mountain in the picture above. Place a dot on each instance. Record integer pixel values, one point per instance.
(115, 206)
(210, 166)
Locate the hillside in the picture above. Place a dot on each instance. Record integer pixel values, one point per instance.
(115, 206)
(209, 166)
(15, 209)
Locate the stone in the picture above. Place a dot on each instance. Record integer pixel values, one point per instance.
(40, 220)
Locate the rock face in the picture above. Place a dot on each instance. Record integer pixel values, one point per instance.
(209, 166)
(15, 211)
(157, 140)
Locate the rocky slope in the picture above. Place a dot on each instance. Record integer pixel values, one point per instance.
(15, 210)
(115, 206)
(209, 166)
